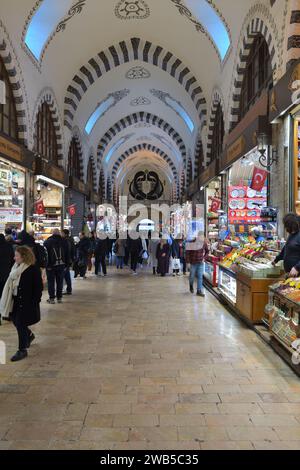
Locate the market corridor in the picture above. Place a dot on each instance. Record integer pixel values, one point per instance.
(138, 363)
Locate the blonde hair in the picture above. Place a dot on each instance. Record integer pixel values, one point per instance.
(27, 255)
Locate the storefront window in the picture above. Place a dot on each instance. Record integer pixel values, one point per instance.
(45, 135)
(8, 114)
(218, 134)
(74, 168)
(12, 196)
(257, 75)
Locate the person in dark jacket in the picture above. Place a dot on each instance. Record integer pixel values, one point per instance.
(67, 275)
(22, 296)
(93, 241)
(39, 251)
(82, 254)
(58, 259)
(175, 250)
(290, 253)
(163, 257)
(135, 248)
(101, 251)
(6, 261)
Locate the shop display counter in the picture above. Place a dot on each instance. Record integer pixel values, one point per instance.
(252, 296)
(227, 284)
(211, 270)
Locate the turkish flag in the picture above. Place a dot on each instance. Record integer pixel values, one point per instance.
(258, 178)
(39, 207)
(215, 204)
(72, 210)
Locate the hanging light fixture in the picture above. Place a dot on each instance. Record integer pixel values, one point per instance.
(263, 144)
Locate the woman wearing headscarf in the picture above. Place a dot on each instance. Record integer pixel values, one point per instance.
(21, 298)
(163, 257)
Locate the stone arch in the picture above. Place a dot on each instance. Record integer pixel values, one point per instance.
(134, 49)
(217, 99)
(47, 95)
(102, 188)
(94, 169)
(135, 119)
(258, 20)
(140, 147)
(76, 134)
(14, 71)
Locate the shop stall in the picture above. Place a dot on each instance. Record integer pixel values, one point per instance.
(16, 166)
(75, 202)
(50, 183)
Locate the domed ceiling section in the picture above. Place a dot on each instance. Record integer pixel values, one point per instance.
(109, 62)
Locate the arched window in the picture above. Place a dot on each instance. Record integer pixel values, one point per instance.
(8, 113)
(257, 75)
(90, 175)
(218, 134)
(45, 135)
(74, 168)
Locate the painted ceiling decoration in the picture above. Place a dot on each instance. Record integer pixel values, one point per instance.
(124, 52)
(47, 18)
(139, 148)
(146, 185)
(109, 102)
(138, 73)
(140, 101)
(207, 19)
(132, 119)
(175, 106)
(132, 10)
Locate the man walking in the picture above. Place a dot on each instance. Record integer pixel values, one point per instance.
(71, 247)
(101, 251)
(58, 260)
(196, 252)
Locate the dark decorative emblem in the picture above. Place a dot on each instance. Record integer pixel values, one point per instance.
(146, 185)
(132, 10)
(137, 73)
(75, 9)
(140, 101)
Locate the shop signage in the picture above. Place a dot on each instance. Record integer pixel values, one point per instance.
(78, 185)
(236, 149)
(286, 93)
(51, 171)
(208, 174)
(10, 150)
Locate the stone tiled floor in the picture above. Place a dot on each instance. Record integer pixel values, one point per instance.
(139, 363)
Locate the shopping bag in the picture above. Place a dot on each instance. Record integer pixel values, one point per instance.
(176, 264)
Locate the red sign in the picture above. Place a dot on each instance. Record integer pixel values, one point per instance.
(39, 207)
(215, 204)
(258, 179)
(72, 210)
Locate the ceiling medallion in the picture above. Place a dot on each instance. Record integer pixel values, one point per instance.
(140, 101)
(137, 73)
(146, 185)
(132, 10)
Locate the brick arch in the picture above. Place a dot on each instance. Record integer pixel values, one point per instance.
(14, 71)
(77, 136)
(134, 49)
(47, 96)
(138, 148)
(258, 20)
(217, 99)
(135, 119)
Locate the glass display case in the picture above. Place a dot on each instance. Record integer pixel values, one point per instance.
(228, 284)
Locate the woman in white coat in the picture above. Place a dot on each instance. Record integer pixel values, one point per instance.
(153, 244)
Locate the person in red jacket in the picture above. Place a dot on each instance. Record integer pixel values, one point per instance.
(196, 252)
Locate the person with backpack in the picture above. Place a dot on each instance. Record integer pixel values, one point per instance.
(40, 253)
(58, 259)
(82, 255)
(72, 250)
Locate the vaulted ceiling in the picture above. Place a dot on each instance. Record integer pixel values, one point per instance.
(129, 73)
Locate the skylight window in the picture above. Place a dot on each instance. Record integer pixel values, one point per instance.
(43, 24)
(212, 22)
(115, 148)
(181, 111)
(98, 113)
